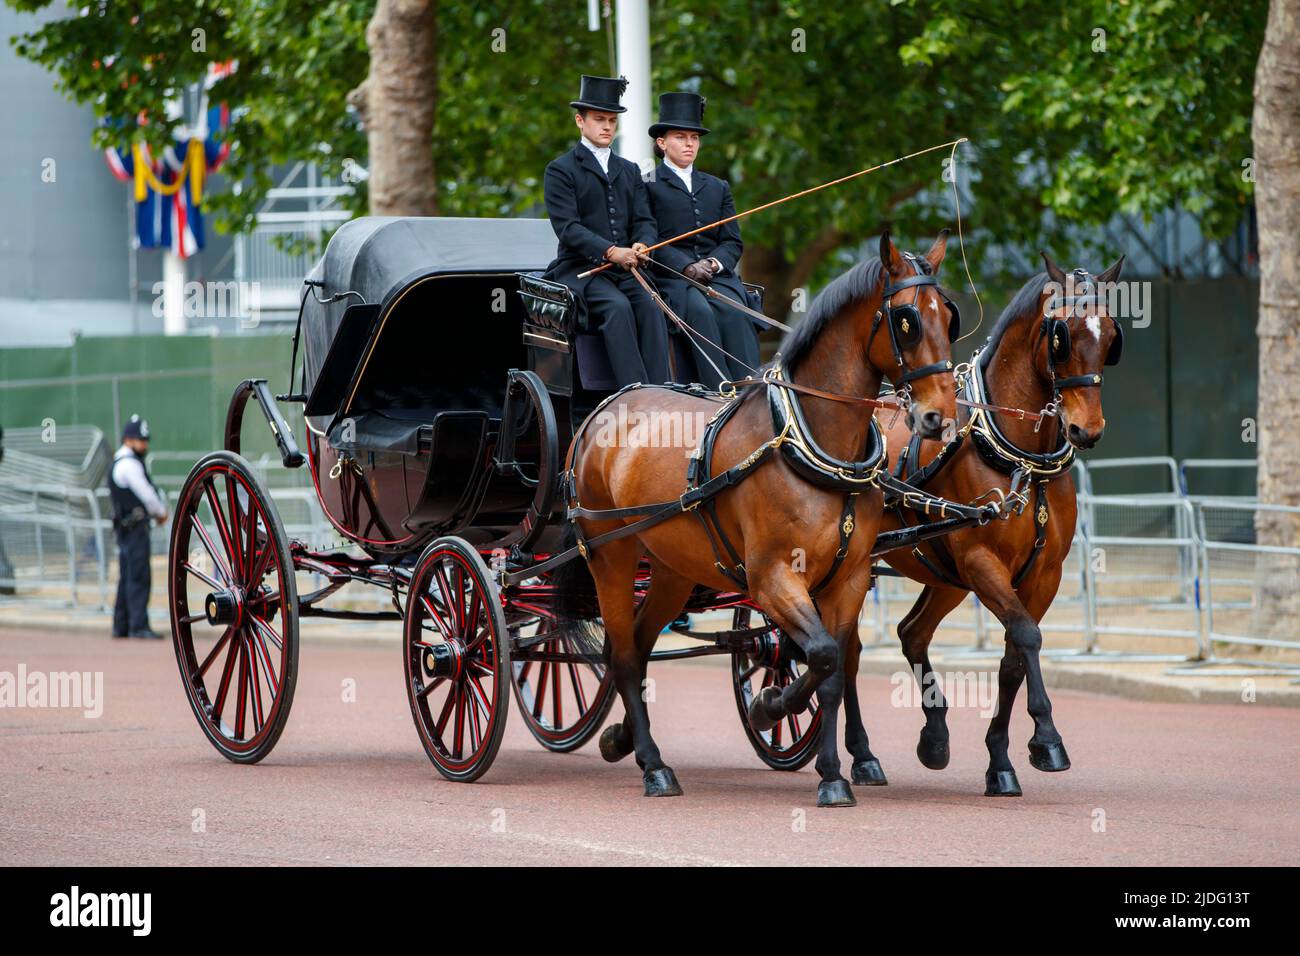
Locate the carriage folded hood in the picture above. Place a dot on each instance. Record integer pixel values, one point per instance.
(375, 259)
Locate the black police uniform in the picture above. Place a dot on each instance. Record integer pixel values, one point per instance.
(591, 211)
(131, 525)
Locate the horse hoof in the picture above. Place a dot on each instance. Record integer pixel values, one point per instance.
(761, 708)
(868, 773)
(613, 744)
(662, 783)
(932, 753)
(1049, 758)
(835, 793)
(1001, 783)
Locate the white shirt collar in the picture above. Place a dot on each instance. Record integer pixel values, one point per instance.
(684, 173)
(601, 153)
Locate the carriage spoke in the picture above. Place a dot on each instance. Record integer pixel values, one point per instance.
(255, 680)
(441, 723)
(251, 554)
(273, 682)
(460, 721)
(218, 564)
(266, 629)
(432, 685)
(452, 609)
(224, 687)
(193, 618)
(243, 689)
(261, 565)
(212, 655)
(557, 703)
(222, 528)
(236, 544)
(437, 618)
(475, 730)
(539, 696)
(580, 695)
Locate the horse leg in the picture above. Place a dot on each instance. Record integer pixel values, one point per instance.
(664, 599)
(1024, 640)
(1046, 749)
(915, 632)
(614, 568)
(867, 771)
(785, 599)
(833, 791)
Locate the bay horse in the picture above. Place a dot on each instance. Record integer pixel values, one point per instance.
(777, 535)
(1045, 352)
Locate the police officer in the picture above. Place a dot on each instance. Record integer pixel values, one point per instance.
(596, 202)
(682, 198)
(135, 500)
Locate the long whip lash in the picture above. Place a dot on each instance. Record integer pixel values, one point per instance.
(961, 241)
(776, 202)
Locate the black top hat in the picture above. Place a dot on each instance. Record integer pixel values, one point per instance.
(679, 111)
(601, 93)
(137, 427)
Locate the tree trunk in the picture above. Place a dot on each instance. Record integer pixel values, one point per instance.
(398, 102)
(1276, 130)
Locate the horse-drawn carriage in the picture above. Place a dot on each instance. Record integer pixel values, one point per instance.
(441, 382)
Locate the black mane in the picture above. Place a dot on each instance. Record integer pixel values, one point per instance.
(1024, 302)
(856, 284)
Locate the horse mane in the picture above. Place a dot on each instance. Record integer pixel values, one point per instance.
(854, 285)
(1024, 302)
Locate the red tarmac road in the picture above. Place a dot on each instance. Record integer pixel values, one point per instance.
(1186, 784)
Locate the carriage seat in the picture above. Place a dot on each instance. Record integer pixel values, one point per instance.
(597, 375)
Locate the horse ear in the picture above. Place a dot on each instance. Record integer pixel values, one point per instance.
(1113, 273)
(938, 250)
(889, 255)
(1054, 271)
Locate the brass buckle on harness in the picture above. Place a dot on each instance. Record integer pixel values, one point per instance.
(727, 390)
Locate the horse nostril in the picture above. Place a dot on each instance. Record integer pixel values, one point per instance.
(931, 421)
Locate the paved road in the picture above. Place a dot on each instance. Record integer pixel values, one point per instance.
(349, 784)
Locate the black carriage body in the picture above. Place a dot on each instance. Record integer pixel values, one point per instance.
(410, 330)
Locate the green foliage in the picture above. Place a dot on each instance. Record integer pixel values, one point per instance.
(1063, 135)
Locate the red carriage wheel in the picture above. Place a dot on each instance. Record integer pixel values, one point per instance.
(457, 658)
(234, 607)
(564, 703)
(792, 743)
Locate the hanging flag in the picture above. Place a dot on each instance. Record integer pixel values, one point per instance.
(168, 190)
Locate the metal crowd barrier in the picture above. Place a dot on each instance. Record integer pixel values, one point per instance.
(1160, 564)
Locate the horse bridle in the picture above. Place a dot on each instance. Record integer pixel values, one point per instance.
(1057, 333)
(905, 327)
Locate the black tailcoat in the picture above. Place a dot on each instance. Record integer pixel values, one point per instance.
(591, 212)
(677, 211)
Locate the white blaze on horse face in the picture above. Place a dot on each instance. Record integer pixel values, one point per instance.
(934, 307)
(1093, 324)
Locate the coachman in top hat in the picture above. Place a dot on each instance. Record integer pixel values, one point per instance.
(597, 205)
(682, 198)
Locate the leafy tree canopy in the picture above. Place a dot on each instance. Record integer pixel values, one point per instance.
(1075, 111)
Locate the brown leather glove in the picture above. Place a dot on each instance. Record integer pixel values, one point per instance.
(622, 256)
(701, 271)
(642, 252)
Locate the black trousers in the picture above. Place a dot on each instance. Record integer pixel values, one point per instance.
(129, 613)
(720, 324)
(634, 330)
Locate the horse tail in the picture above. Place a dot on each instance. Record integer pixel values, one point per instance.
(575, 604)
